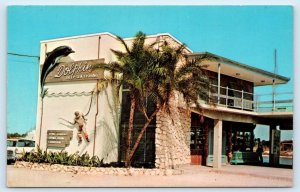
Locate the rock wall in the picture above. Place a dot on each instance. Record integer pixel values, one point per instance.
(172, 136)
(97, 170)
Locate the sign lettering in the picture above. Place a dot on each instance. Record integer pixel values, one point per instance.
(59, 138)
(76, 71)
(75, 68)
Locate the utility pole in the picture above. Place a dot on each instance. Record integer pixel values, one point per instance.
(273, 85)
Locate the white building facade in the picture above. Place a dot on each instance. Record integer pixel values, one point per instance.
(73, 87)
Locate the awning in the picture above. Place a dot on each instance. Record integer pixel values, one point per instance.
(238, 70)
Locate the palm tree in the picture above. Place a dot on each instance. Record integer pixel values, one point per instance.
(134, 65)
(174, 73)
(148, 72)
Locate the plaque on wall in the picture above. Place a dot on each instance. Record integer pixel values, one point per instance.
(76, 71)
(59, 138)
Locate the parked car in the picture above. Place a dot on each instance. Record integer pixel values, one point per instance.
(11, 150)
(16, 147)
(24, 145)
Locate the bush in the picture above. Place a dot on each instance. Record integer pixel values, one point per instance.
(61, 157)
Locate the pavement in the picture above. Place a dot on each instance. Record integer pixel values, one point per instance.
(193, 176)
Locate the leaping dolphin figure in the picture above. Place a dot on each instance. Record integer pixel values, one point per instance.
(51, 61)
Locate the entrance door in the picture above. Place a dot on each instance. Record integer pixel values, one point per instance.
(197, 140)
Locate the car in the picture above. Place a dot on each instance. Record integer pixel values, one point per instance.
(16, 147)
(24, 145)
(11, 150)
(11, 147)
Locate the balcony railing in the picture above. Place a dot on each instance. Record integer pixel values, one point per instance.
(239, 99)
(281, 101)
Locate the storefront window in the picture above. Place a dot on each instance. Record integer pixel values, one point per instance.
(242, 141)
(145, 153)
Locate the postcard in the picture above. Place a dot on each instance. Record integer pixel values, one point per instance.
(150, 96)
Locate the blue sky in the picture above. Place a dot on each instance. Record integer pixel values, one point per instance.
(247, 34)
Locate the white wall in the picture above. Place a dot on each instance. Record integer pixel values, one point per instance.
(102, 128)
(56, 108)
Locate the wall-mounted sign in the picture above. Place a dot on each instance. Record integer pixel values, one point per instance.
(59, 138)
(76, 71)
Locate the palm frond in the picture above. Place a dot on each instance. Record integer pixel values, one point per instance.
(119, 54)
(124, 44)
(138, 44)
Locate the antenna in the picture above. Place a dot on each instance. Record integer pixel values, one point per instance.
(274, 84)
(275, 62)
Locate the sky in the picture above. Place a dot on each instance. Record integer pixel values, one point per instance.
(247, 34)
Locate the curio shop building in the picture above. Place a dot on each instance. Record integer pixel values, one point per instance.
(74, 117)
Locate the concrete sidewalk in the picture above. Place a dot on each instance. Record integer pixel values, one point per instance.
(193, 176)
(245, 170)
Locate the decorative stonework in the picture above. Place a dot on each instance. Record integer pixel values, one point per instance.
(97, 170)
(172, 139)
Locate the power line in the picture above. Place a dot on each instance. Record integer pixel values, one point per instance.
(23, 55)
(18, 61)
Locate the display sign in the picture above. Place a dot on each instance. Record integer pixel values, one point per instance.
(59, 138)
(275, 144)
(76, 71)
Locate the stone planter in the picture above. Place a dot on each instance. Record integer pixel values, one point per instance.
(96, 170)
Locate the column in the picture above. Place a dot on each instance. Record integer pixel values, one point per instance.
(217, 150)
(274, 146)
(229, 143)
(251, 140)
(271, 155)
(205, 150)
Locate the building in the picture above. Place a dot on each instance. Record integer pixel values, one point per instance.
(30, 135)
(207, 138)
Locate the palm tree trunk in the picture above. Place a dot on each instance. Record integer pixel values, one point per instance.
(129, 132)
(138, 140)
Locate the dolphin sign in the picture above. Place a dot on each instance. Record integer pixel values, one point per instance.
(51, 61)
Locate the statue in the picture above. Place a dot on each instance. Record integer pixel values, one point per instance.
(50, 63)
(80, 120)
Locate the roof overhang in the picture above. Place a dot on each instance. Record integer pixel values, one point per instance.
(238, 70)
(282, 118)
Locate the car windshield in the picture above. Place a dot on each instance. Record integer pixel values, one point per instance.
(25, 143)
(11, 143)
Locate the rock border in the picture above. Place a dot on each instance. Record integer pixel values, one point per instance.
(97, 170)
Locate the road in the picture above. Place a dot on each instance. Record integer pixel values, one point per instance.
(194, 176)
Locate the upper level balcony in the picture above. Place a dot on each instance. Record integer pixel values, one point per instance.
(239, 99)
(233, 83)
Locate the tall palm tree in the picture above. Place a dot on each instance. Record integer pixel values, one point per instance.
(148, 72)
(174, 73)
(134, 65)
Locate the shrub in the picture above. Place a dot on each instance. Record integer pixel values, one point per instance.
(61, 157)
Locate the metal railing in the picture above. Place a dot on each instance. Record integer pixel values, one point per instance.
(240, 99)
(281, 101)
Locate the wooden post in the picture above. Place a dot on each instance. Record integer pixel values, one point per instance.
(95, 122)
(205, 149)
(242, 99)
(226, 96)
